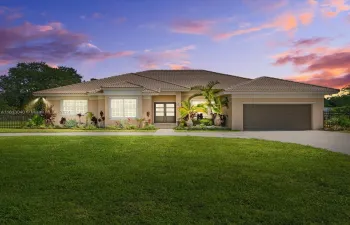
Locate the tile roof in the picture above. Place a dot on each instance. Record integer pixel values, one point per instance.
(155, 81)
(271, 84)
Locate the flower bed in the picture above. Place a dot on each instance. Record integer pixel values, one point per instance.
(203, 127)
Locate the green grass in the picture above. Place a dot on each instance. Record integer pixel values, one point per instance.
(206, 130)
(170, 180)
(15, 130)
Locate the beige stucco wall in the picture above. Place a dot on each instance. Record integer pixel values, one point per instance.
(316, 108)
(147, 107)
(95, 105)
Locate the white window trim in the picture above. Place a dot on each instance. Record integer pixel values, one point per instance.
(62, 112)
(122, 118)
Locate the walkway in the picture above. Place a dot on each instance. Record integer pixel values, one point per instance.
(333, 141)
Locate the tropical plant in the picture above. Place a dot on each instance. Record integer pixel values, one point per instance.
(35, 121)
(79, 116)
(140, 122)
(206, 122)
(208, 92)
(94, 120)
(63, 120)
(88, 117)
(49, 115)
(219, 103)
(188, 111)
(71, 123)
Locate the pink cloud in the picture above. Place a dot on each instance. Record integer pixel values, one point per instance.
(332, 8)
(309, 41)
(286, 22)
(325, 79)
(295, 60)
(49, 42)
(178, 67)
(227, 35)
(321, 65)
(306, 18)
(152, 60)
(332, 61)
(192, 27)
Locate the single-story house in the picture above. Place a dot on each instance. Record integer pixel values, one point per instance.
(264, 103)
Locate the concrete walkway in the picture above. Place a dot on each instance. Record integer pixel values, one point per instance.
(333, 141)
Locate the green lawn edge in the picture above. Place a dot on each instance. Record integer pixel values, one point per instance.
(18, 130)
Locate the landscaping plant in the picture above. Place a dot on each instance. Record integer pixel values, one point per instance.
(49, 115)
(35, 121)
(209, 93)
(71, 123)
(188, 111)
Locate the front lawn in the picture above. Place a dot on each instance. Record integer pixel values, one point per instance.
(170, 180)
(33, 130)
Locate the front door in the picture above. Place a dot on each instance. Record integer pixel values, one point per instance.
(164, 112)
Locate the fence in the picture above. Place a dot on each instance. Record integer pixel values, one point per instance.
(15, 119)
(336, 120)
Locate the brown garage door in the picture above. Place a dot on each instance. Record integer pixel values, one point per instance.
(276, 117)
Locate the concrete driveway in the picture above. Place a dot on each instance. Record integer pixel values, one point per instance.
(333, 141)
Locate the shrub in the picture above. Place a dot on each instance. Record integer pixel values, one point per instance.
(63, 120)
(196, 122)
(149, 127)
(90, 127)
(344, 122)
(35, 121)
(342, 109)
(49, 115)
(206, 122)
(71, 123)
(130, 127)
(202, 127)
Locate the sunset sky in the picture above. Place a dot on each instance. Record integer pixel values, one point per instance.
(302, 40)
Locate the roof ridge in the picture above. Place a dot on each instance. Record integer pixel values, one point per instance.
(291, 81)
(137, 74)
(223, 74)
(140, 86)
(244, 83)
(226, 74)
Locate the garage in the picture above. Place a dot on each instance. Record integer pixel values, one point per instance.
(277, 116)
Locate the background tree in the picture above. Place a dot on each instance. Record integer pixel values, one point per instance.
(21, 81)
(339, 100)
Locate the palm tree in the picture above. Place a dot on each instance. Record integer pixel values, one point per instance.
(219, 103)
(189, 110)
(208, 92)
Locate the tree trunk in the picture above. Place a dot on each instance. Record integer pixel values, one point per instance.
(217, 120)
(189, 122)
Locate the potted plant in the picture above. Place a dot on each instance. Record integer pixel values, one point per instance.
(219, 103)
(209, 93)
(188, 111)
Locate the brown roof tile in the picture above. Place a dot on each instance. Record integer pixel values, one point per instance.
(271, 84)
(154, 81)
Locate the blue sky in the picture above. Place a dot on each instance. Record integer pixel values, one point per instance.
(302, 40)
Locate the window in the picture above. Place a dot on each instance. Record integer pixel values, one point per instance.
(73, 107)
(123, 107)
